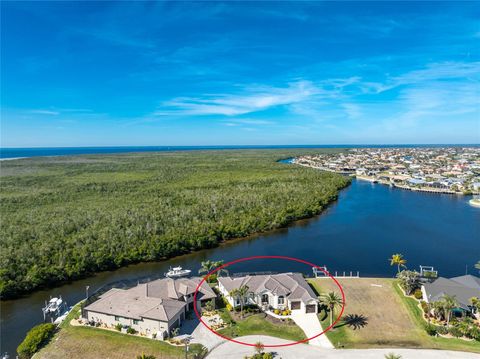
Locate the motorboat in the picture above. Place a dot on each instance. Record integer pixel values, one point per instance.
(177, 272)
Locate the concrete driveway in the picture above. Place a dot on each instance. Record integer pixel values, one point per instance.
(200, 334)
(311, 326)
(232, 350)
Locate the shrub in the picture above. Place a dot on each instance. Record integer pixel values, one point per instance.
(442, 330)
(118, 327)
(431, 330)
(130, 330)
(229, 307)
(277, 311)
(455, 332)
(418, 294)
(267, 355)
(424, 306)
(36, 338)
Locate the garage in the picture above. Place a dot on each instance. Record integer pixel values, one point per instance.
(311, 308)
(295, 305)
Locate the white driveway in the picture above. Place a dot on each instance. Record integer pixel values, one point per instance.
(230, 350)
(310, 324)
(200, 334)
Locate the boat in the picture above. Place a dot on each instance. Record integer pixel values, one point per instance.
(53, 305)
(177, 272)
(475, 201)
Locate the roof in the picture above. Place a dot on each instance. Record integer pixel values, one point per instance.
(291, 285)
(161, 299)
(462, 288)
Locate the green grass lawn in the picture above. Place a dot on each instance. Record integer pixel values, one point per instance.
(93, 343)
(257, 324)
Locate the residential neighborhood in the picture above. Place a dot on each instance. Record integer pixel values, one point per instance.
(440, 170)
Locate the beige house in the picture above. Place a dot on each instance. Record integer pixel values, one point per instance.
(276, 291)
(154, 308)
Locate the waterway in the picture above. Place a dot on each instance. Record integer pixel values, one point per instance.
(359, 232)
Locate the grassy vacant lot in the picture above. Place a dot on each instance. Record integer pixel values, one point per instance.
(382, 317)
(90, 213)
(92, 343)
(257, 324)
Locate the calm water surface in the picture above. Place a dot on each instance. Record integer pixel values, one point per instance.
(359, 232)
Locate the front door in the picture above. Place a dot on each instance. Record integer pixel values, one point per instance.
(264, 298)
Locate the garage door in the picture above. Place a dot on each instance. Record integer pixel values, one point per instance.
(310, 308)
(295, 305)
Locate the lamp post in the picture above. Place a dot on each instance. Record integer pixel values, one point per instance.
(186, 341)
(86, 291)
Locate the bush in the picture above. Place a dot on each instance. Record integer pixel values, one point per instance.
(442, 330)
(267, 355)
(130, 330)
(418, 294)
(229, 307)
(277, 311)
(424, 306)
(455, 332)
(118, 327)
(36, 338)
(431, 330)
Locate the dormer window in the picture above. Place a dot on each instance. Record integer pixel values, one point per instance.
(281, 299)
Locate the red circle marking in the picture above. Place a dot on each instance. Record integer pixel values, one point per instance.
(267, 257)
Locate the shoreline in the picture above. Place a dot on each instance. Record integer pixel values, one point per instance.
(385, 183)
(219, 244)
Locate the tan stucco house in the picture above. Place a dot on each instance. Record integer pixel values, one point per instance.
(275, 291)
(153, 308)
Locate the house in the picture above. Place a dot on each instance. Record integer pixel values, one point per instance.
(153, 308)
(463, 288)
(275, 291)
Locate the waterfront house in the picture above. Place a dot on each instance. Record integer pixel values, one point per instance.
(274, 291)
(463, 288)
(153, 308)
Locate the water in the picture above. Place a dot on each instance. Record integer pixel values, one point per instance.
(360, 232)
(66, 151)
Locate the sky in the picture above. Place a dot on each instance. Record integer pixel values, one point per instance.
(239, 73)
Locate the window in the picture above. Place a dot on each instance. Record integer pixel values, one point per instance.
(117, 319)
(281, 299)
(135, 322)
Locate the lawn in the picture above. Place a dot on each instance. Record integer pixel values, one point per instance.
(93, 343)
(382, 317)
(257, 324)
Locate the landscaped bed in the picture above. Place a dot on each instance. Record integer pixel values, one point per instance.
(377, 314)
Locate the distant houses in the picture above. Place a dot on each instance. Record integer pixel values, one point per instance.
(153, 309)
(277, 291)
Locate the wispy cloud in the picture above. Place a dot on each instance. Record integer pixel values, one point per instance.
(252, 99)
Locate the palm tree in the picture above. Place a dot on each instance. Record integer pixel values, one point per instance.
(241, 293)
(449, 303)
(208, 266)
(331, 300)
(259, 347)
(393, 356)
(398, 260)
(144, 356)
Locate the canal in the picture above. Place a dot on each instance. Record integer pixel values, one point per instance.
(359, 232)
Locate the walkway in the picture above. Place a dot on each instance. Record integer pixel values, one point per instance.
(200, 334)
(311, 326)
(230, 350)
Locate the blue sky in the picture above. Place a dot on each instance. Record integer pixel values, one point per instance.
(213, 73)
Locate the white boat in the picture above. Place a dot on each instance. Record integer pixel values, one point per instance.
(475, 201)
(53, 305)
(177, 272)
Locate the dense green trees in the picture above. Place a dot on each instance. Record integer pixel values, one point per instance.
(65, 217)
(36, 338)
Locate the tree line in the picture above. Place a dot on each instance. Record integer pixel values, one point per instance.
(67, 217)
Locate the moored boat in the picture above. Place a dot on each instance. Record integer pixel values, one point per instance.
(177, 272)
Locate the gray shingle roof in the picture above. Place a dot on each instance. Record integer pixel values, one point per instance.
(463, 288)
(292, 285)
